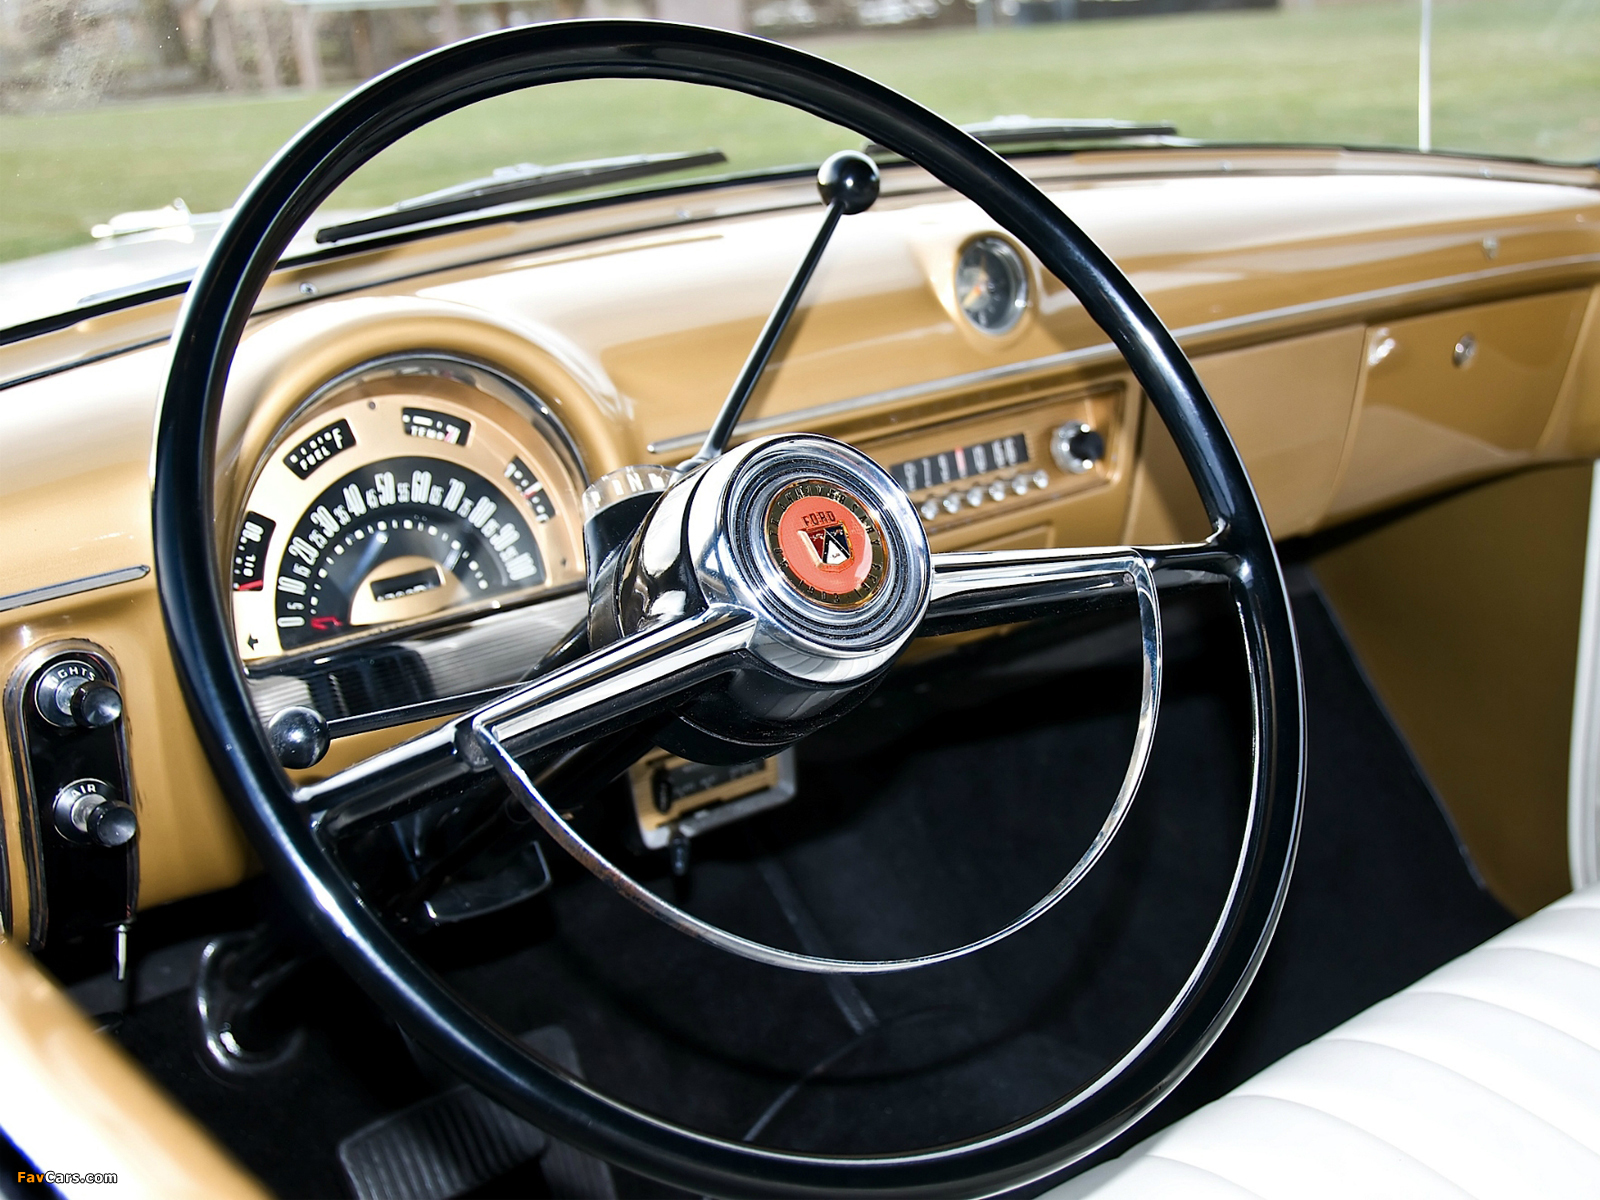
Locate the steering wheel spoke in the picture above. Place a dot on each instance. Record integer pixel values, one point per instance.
(975, 589)
(597, 693)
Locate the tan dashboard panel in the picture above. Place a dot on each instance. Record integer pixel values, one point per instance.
(1575, 424)
(1287, 406)
(74, 1102)
(78, 504)
(1465, 615)
(1457, 394)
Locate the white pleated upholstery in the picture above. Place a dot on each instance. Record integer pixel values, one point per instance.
(1481, 1080)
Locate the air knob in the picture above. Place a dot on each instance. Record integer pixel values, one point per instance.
(88, 812)
(850, 179)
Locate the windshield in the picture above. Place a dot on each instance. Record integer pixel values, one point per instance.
(122, 126)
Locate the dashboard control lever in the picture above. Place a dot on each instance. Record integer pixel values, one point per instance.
(90, 813)
(848, 184)
(298, 737)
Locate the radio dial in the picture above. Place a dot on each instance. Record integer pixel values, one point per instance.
(1076, 447)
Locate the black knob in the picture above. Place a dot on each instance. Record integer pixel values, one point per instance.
(112, 823)
(850, 179)
(1076, 447)
(73, 692)
(95, 704)
(1088, 445)
(298, 737)
(88, 812)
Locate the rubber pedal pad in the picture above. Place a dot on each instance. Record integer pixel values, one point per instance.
(457, 1141)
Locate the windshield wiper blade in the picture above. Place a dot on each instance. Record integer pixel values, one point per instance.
(509, 185)
(1010, 133)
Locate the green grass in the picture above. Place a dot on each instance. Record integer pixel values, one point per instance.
(1510, 76)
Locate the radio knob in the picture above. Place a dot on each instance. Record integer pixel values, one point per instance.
(89, 813)
(1076, 447)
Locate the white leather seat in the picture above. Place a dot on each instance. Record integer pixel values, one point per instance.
(1481, 1080)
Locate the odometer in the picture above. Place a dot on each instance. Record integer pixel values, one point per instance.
(397, 539)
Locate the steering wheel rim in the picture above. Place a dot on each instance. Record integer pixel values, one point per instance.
(286, 193)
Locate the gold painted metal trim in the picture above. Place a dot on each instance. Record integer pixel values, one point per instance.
(74, 1101)
(1340, 308)
(72, 587)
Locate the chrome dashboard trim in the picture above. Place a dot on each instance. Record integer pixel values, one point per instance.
(1351, 305)
(72, 587)
(1583, 767)
(464, 663)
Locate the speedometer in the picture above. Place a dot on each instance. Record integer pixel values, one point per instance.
(399, 538)
(406, 491)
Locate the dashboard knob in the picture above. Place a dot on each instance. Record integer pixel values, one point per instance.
(72, 694)
(849, 178)
(88, 812)
(1076, 447)
(95, 704)
(298, 737)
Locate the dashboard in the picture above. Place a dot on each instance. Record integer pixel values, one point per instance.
(411, 427)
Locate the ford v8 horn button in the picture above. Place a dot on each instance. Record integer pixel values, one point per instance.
(826, 543)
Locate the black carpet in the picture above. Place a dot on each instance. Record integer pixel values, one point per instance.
(956, 797)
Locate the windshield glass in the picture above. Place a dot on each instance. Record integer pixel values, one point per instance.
(123, 125)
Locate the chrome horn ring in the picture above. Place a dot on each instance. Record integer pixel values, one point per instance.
(716, 527)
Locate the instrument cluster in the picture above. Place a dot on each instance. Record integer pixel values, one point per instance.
(408, 492)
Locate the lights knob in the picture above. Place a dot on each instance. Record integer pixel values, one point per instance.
(95, 705)
(88, 812)
(1076, 447)
(72, 694)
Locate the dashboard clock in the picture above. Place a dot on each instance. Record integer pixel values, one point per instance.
(991, 285)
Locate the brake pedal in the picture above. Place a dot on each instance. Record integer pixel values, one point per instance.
(457, 1141)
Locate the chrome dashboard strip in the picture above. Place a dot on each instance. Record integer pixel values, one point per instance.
(1583, 768)
(1102, 352)
(72, 587)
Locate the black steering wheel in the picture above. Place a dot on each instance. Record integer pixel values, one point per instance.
(708, 611)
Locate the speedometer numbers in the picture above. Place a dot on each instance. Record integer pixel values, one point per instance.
(380, 512)
(400, 538)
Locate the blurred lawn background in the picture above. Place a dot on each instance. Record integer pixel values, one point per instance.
(1517, 77)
